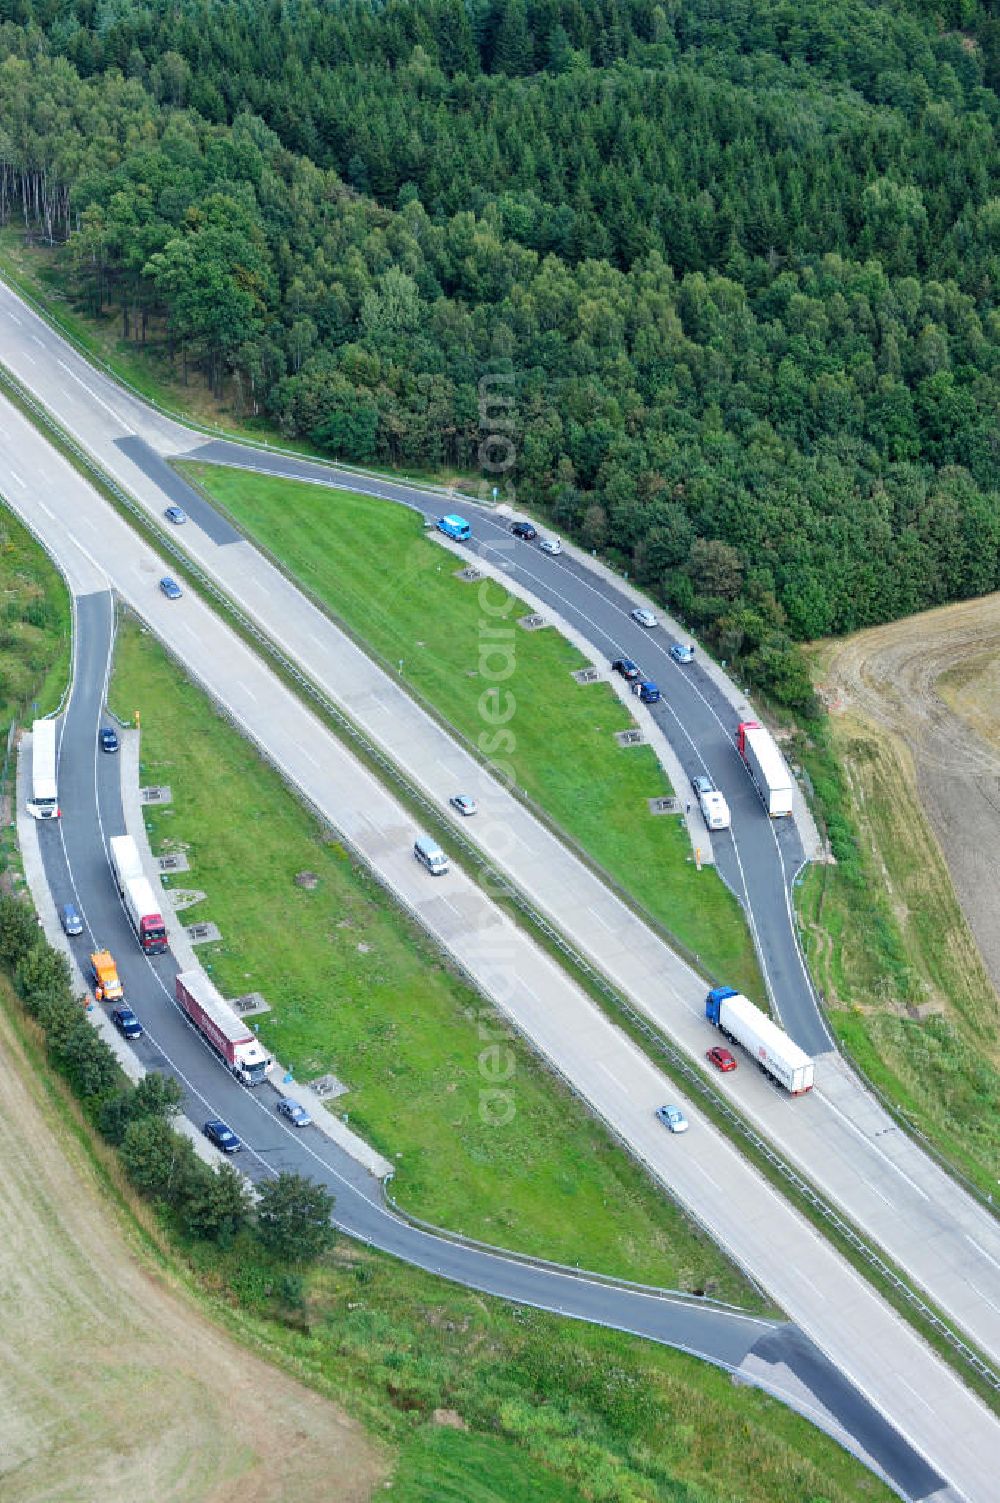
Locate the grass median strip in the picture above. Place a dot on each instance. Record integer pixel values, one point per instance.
(367, 562)
(362, 993)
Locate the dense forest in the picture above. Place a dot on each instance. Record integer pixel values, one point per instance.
(736, 260)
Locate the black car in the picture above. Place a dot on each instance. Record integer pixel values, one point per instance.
(126, 1022)
(109, 739)
(628, 670)
(221, 1136)
(525, 530)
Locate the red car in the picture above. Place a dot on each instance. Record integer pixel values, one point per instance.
(721, 1058)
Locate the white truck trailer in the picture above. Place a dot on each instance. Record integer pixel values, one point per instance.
(775, 1053)
(44, 795)
(767, 767)
(137, 894)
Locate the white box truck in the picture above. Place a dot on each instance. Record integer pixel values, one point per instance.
(44, 803)
(775, 1053)
(766, 766)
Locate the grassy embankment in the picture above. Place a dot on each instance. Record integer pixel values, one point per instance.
(369, 565)
(555, 1412)
(355, 988)
(35, 643)
(891, 951)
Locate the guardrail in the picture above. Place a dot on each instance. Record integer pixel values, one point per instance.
(500, 883)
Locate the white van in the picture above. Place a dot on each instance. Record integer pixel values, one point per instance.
(715, 810)
(430, 855)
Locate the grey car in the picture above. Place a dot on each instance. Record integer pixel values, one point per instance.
(702, 783)
(643, 617)
(293, 1112)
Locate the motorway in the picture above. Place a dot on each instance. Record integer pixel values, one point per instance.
(770, 1354)
(79, 524)
(838, 1137)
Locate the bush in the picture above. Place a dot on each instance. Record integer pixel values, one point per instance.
(293, 1218)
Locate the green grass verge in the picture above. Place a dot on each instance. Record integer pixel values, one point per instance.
(890, 950)
(556, 1412)
(362, 992)
(368, 563)
(35, 626)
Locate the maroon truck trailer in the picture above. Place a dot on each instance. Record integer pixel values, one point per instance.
(222, 1029)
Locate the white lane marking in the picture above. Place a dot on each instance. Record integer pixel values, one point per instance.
(23, 484)
(814, 1287)
(976, 1290)
(94, 397)
(989, 1258)
(914, 1392)
(14, 318)
(308, 756)
(40, 342)
(248, 692)
(25, 356)
(612, 1077)
(602, 920)
(876, 1191)
(874, 1147)
(42, 507)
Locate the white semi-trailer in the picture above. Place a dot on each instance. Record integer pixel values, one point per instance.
(44, 795)
(137, 894)
(767, 767)
(776, 1054)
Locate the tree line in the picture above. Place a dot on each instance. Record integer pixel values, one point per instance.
(747, 313)
(288, 1217)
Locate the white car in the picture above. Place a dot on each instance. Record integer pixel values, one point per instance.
(672, 1118)
(550, 545)
(643, 617)
(715, 810)
(682, 652)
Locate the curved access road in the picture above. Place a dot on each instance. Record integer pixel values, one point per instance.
(838, 1137)
(877, 1352)
(773, 1355)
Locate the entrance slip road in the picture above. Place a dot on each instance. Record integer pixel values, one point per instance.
(839, 1137)
(775, 1356)
(893, 1369)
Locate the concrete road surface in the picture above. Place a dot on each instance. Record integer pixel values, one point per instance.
(853, 1328)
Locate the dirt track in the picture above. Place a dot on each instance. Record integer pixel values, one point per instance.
(112, 1385)
(931, 680)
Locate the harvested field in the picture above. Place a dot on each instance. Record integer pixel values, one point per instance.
(113, 1385)
(931, 683)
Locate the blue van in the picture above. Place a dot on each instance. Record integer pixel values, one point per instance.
(455, 527)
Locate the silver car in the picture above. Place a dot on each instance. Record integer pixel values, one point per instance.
(550, 545)
(672, 1118)
(643, 617)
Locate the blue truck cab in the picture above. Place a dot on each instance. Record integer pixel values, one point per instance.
(455, 527)
(647, 691)
(714, 1000)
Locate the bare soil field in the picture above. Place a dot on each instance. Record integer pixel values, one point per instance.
(931, 685)
(114, 1385)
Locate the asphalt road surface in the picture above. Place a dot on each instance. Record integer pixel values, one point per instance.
(74, 851)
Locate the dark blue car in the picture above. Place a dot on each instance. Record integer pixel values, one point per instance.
(109, 739)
